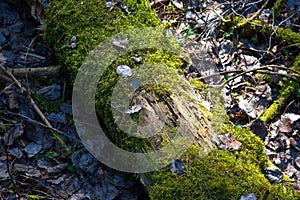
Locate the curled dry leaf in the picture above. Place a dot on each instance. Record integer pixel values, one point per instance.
(32, 149)
(273, 174)
(73, 42)
(124, 71)
(137, 59)
(228, 141)
(133, 109)
(177, 166)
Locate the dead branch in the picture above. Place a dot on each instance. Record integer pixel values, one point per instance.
(39, 71)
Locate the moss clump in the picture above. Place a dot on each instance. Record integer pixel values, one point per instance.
(91, 22)
(289, 89)
(279, 4)
(220, 174)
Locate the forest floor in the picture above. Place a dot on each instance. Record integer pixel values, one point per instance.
(41, 154)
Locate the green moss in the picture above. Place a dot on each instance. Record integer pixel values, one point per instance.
(199, 85)
(279, 4)
(271, 112)
(289, 35)
(221, 174)
(91, 22)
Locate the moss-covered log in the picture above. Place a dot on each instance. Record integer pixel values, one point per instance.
(218, 175)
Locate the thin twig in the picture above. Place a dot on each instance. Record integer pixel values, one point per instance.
(15, 188)
(247, 20)
(43, 125)
(36, 108)
(260, 70)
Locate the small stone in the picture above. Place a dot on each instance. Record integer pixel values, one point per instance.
(250, 196)
(177, 166)
(124, 71)
(32, 149)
